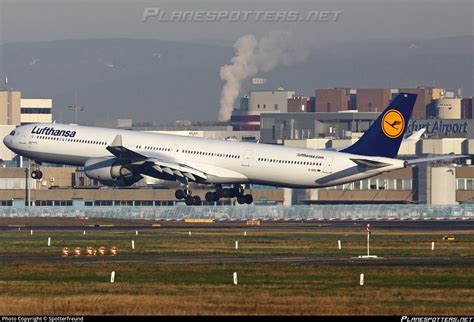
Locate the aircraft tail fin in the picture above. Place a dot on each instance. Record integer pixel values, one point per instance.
(384, 137)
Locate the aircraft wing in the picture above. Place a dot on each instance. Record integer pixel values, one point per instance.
(433, 159)
(153, 164)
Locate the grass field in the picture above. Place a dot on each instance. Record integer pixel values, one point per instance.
(67, 286)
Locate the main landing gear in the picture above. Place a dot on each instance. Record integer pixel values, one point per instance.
(189, 199)
(36, 173)
(214, 196)
(236, 191)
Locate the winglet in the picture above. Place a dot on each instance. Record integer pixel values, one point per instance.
(416, 135)
(121, 152)
(117, 141)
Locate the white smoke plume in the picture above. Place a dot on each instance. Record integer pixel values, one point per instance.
(251, 57)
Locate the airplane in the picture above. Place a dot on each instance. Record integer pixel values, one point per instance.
(122, 157)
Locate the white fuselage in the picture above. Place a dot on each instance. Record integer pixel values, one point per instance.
(224, 162)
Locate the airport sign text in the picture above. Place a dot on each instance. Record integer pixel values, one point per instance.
(438, 126)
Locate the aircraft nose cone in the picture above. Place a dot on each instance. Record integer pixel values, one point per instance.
(6, 141)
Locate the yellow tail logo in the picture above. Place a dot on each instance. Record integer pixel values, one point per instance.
(393, 124)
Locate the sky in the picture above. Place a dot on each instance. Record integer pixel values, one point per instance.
(339, 25)
(40, 20)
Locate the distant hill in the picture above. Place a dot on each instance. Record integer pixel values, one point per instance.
(152, 80)
(445, 62)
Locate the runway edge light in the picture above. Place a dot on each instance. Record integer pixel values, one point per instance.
(90, 251)
(65, 251)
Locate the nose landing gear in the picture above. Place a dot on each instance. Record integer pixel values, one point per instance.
(36, 173)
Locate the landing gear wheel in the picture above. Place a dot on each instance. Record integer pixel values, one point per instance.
(228, 193)
(211, 197)
(241, 200)
(196, 200)
(234, 192)
(248, 199)
(36, 174)
(189, 200)
(219, 193)
(179, 194)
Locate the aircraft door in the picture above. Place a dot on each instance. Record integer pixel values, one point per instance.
(246, 158)
(327, 166)
(25, 138)
(174, 150)
(22, 137)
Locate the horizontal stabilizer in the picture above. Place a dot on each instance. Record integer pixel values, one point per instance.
(370, 163)
(433, 159)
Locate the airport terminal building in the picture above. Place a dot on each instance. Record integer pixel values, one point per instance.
(276, 128)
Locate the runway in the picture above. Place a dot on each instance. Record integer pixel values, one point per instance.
(330, 226)
(429, 225)
(161, 260)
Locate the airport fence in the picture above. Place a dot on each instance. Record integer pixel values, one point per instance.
(236, 213)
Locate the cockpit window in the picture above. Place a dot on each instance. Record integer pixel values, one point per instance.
(12, 132)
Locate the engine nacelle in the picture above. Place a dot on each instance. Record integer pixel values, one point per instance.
(110, 171)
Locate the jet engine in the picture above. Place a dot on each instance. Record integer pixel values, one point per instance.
(111, 172)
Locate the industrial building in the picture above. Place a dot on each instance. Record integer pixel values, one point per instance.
(375, 100)
(412, 185)
(276, 128)
(68, 186)
(15, 110)
(431, 102)
(247, 116)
